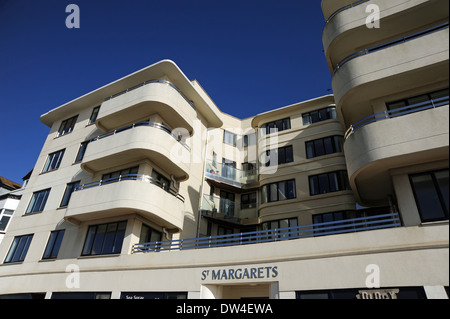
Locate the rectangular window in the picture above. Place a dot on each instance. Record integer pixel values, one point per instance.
(18, 249)
(67, 126)
(160, 180)
(104, 239)
(38, 201)
(149, 235)
(248, 200)
(276, 126)
(283, 154)
(328, 183)
(81, 151)
(94, 115)
(228, 169)
(249, 139)
(280, 224)
(319, 115)
(419, 102)
(5, 217)
(70, 188)
(248, 169)
(324, 146)
(229, 138)
(278, 191)
(53, 244)
(53, 161)
(431, 192)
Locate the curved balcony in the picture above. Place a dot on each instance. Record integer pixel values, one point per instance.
(127, 194)
(150, 97)
(346, 30)
(400, 65)
(223, 174)
(139, 141)
(376, 145)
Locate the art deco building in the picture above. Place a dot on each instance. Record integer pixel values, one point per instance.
(145, 189)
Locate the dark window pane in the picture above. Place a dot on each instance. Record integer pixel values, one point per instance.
(98, 241)
(442, 180)
(291, 193)
(427, 198)
(324, 186)
(310, 150)
(314, 185)
(81, 152)
(282, 190)
(89, 240)
(289, 154)
(328, 144)
(319, 148)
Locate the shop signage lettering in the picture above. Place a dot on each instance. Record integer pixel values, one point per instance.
(240, 273)
(378, 294)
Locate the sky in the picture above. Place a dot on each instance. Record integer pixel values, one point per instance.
(251, 56)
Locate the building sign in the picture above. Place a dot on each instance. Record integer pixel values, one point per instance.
(240, 273)
(378, 294)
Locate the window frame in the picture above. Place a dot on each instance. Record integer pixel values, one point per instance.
(280, 125)
(81, 151)
(226, 138)
(72, 185)
(320, 184)
(247, 200)
(275, 190)
(32, 203)
(94, 115)
(53, 244)
(67, 126)
(50, 164)
(438, 191)
(15, 246)
(3, 216)
(320, 115)
(336, 144)
(91, 239)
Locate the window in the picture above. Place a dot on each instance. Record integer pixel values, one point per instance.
(94, 115)
(248, 200)
(248, 169)
(278, 191)
(149, 235)
(324, 146)
(280, 224)
(431, 194)
(38, 201)
(276, 126)
(229, 138)
(284, 154)
(249, 139)
(328, 183)
(436, 99)
(319, 115)
(116, 174)
(53, 161)
(67, 126)
(160, 180)
(69, 190)
(53, 244)
(226, 205)
(81, 151)
(19, 249)
(5, 217)
(104, 239)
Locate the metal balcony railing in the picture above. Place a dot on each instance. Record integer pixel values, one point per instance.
(160, 81)
(335, 13)
(321, 229)
(389, 44)
(130, 177)
(143, 123)
(389, 114)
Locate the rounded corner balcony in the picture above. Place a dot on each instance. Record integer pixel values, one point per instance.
(393, 62)
(127, 194)
(405, 136)
(140, 141)
(150, 97)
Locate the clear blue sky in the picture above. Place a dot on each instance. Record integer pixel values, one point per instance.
(249, 55)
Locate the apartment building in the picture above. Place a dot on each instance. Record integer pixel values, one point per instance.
(145, 189)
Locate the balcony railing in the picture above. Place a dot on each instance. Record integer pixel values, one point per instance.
(154, 81)
(144, 123)
(222, 208)
(390, 44)
(354, 4)
(388, 114)
(226, 173)
(321, 229)
(130, 177)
